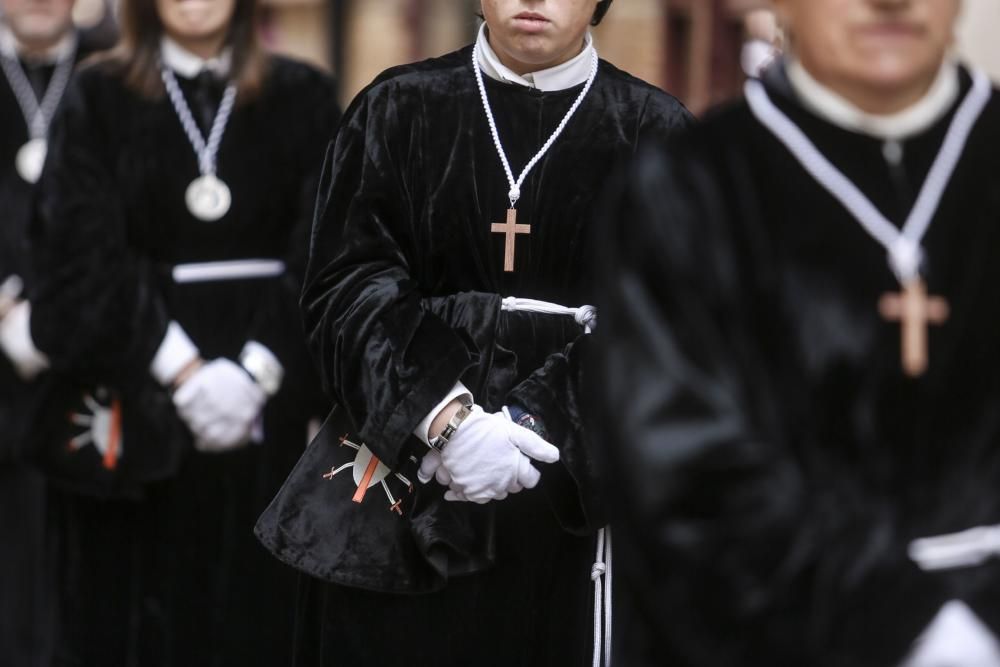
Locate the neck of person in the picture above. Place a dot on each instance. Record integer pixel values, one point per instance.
(205, 47)
(44, 48)
(889, 112)
(520, 67)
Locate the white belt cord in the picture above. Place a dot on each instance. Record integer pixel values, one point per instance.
(585, 316)
(238, 269)
(600, 572)
(956, 550)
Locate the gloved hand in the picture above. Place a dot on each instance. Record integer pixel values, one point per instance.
(219, 403)
(431, 468)
(16, 342)
(488, 457)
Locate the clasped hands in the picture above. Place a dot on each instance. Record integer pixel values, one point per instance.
(219, 402)
(488, 458)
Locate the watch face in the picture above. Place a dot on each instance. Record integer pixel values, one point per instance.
(533, 424)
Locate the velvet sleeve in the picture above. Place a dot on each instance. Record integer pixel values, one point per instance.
(385, 358)
(97, 307)
(721, 508)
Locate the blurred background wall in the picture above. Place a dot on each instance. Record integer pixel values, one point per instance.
(689, 47)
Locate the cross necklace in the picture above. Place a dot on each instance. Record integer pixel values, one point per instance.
(511, 228)
(912, 308)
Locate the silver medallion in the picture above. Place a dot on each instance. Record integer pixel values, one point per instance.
(31, 160)
(208, 198)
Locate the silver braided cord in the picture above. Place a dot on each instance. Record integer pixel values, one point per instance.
(904, 249)
(38, 115)
(515, 184)
(207, 150)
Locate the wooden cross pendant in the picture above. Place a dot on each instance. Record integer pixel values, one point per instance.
(511, 229)
(915, 311)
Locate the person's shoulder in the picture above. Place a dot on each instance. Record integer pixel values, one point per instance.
(632, 86)
(723, 136)
(101, 75)
(444, 76)
(419, 74)
(424, 76)
(286, 73)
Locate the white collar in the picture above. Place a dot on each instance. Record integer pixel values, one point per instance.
(571, 73)
(189, 65)
(901, 125)
(64, 48)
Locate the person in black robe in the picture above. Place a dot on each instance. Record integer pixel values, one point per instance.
(39, 47)
(415, 304)
(173, 307)
(778, 452)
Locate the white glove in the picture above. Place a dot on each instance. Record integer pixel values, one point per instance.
(220, 403)
(431, 468)
(489, 457)
(956, 638)
(15, 339)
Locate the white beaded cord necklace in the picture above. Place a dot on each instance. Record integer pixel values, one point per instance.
(912, 308)
(37, 114)
(511, 229)
(208, 197)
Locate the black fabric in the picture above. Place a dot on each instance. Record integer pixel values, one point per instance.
(26, 611)
(170, 574)
(402, 299)
(203, 93)
(770, 460)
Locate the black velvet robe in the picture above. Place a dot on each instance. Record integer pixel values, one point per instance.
(171, 575)
(26, 613)
(771, 460)
(402, 299)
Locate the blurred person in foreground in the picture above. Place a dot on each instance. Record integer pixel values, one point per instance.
(448, 514)
(801, 376)
(171, 243)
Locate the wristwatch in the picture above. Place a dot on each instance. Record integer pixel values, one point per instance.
(261, 365)
(448, 432)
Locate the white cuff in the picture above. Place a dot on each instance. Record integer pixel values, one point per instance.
(424, 428)
(262, 366)
(15, 339)
(175, 352)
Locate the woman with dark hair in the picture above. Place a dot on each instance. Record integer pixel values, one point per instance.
(172, 240)
(457, 521)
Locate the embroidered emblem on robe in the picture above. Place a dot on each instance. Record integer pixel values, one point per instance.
(368, 471)
(100, 425)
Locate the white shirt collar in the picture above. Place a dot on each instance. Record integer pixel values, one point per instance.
(189, 65)
(917, 118)
(571, 73)
(64, 48)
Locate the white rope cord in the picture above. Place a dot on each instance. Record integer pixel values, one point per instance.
(38, 115)
(905, 253)
(585, 316)
(207, 150)
(515, 184)
(600, 572)
(956, 550)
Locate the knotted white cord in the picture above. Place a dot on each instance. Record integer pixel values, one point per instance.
(600, 572)
(585, 316)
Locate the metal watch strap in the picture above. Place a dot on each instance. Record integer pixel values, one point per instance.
(448, 432)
